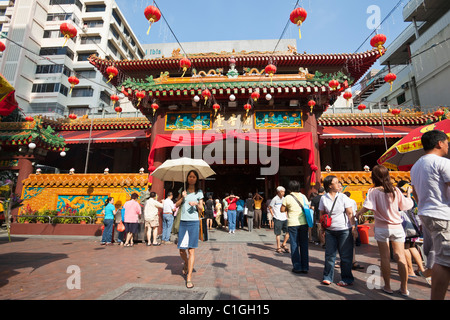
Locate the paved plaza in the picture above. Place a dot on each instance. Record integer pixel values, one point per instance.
(241, 266)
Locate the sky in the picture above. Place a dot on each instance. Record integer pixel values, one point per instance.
(330, 27)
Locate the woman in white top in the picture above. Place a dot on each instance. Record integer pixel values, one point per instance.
(339, 236)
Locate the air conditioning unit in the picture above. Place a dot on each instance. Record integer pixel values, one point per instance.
(384, 99)
(405, 85)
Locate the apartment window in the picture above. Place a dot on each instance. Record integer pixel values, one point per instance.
(52, 51)
(115, 33)
(82, 92)
(91, 40)
(95, 8)
(52, 68)
(79, 110)
(93, 23)
(112, 48)
(105, 97)
(59, 16)
(45, 87)
(75, 2)
(85, 55)
(52, 34)
(116, 17)
(86, 74)
(401, 98)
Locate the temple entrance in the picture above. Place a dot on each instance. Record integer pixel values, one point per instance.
(239, 179)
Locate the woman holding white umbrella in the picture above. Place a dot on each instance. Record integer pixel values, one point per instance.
(190, 203)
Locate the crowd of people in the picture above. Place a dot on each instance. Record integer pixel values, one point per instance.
(335, 216)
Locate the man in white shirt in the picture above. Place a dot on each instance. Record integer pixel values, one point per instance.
(151, 217)
(167, 219)
(430, 177)
(280, 220)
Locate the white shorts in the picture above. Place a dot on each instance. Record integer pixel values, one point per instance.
(386, 235)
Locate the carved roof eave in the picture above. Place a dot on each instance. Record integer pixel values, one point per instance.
(86, 180)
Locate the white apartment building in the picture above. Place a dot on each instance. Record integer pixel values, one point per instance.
(39, 68)
(420, 57)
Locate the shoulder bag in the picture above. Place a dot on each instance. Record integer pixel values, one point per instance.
(307, 211)
(325, 220)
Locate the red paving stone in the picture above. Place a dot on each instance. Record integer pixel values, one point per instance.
(36, 268)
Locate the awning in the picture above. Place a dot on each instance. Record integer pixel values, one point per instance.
(103, 136)
(365, 132)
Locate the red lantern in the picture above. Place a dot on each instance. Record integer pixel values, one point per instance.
(255, 96)
(155, 107)
(206, 94)
(140, 95)
(152, 14)
(439, 113)
(390, 78)
(378, 41)
(216, 108)
(361, 107)
(185, 64)
(118, 110)
(29, 119)
(112, 72)
(2, 46)
(270, 70)
(396, 112)
(72, 116)
(347, 96)
(247, 108)
(114, 98)
(311, 104)
(68, 30)
(73, 82)
(297, 17)
(333, 84)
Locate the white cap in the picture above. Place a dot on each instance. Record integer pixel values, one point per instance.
(280, 188)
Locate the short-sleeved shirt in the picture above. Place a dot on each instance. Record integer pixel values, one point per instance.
(339, 218)
(275, 204)
(386, 209)
(168, 206)
(188, 212)
(258, 204)
(429, 176)
(132, 211)
(151, 209)
(232, 203)
(296, 216)
(109, 211)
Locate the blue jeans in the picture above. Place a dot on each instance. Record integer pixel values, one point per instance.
(342, 242)
(239, 219)
(298, 236)
(107, 233)
(167, 220)
(231, 220)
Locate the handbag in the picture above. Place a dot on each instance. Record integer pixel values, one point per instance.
(307, 211)
(325, 219)
(411, 230)
(121, 227)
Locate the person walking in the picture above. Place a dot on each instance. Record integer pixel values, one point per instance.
(430, 178)
(317, 232)
(240, 204)
(279, 220)
(131, 219)
(385, 201)
(339, 235)
(209, 212)
(167, 218)
(218, 208)
(151, 218)
(250, 208)
(190, 202)
(297, 227)
(258, 210)
(108, 221)
(232, 200)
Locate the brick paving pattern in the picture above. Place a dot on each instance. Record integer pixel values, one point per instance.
(240, 266)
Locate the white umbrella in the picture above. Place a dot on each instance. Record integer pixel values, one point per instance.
(177, 169)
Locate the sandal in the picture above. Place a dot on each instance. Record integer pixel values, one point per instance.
(279, 250)
(356, 266)
(327, 282)
(185, 270)
(189, 284)
(285, 249)
(343, 284)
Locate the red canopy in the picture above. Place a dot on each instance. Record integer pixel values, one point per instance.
(282, 140)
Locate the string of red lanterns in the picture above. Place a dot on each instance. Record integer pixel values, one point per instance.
(152, 14)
